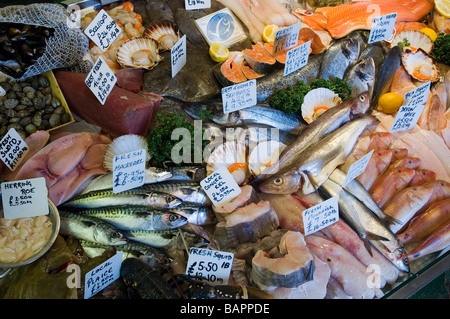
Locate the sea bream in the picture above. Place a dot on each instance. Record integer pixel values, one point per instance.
(317, 162)
(325, 124)
(361, 76)
(338, 58)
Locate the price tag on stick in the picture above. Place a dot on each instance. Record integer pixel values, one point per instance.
(239, 96)
(12, 149)
(297, 58)
(208, 265)
(178, 55)
(103, 30)
(197, 4)
(128, 170)
(382, 28)
(220, 186)
(320, 215)
(286, 38)
(101, 80)
(357, 168)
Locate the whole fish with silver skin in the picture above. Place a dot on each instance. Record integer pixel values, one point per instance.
(339, 56)
(325, 124)
(136, 197)
(163, 238)
(257, 114)
(367, 225)
(152, 175)
(385, 76)
(376, 51)
(136, 217)
(355, 188)
(361, 76)
(268, 84)
(318, 161)
(186, 173)
(196, 214)
(188, 192)
(90, 229)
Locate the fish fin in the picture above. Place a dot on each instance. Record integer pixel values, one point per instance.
(388, 219)
(373, 236)
(368, 246)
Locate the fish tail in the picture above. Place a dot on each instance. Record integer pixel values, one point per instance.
(390, 220)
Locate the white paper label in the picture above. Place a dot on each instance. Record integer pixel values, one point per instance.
(103, 275)
(239, 96)
(2, 91)
(408, 115)
(12, 149)
(101, 80)
(320, 215)
(297, 58)
(220, 186)
(208, 265)
(25, 198)
(103, 30)
(382, 27)
(178, 55)
(128, 170)
(197, 4)
(286, 38)
(357, 168)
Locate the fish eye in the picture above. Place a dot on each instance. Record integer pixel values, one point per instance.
(278, 181)
(362, 98)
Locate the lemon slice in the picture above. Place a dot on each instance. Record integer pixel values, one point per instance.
(389, 102)
(218, 52)
(269, 32)
(429, 32)
(443, 7)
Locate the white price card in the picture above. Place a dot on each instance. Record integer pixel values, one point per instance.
(101, 80)
(321, 215)
(286, 38)
(382, 27)
(25, 198)
(239, 96)
(178, 55)
(209, 265)
(101, 276)
(297, 58)
(197, 4)
(357, 168)
(103, 30)
(408, 115)
(12, 149)
(220, 186)
(128, 170)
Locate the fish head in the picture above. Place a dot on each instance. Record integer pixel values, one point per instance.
(116, 237)
(400, 259)
(360, 103)
(173, 220)
(367, 68)
(351, 48)
(286, 183)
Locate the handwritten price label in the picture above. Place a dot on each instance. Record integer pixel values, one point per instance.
(239, 96)
(286, 38)
(208, 265)
(197, 4)
(320, 215)
(408, 115)
(12, 149)
(220, 186)
(382, 28)
(297, 58)
(178, 55)
(103, 275)
(128, 170)
(103, 30)
(25, 198)
(357, 168)
(101, 80)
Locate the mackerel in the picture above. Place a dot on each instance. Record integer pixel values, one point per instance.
(90, 229)
(188, 192)
(196, 214)
(136, 196)
(136, 217)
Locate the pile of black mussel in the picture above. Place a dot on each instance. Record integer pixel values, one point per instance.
(21, 45)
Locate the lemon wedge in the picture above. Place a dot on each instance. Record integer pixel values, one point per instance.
(429, 32)
(390, 102)
(443, 7)
(218, 52)
(269, 32)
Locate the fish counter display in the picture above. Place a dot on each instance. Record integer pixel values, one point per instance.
(128, 169)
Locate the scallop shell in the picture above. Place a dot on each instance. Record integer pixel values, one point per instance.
(263, 155)
(122, 145)
(233, 156)
(138, 53)
(164, 32)
(415, 38)
(420, 65)
(317, 98)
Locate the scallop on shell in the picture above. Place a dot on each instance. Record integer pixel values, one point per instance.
(420, 65)
(124, 144)
(164, 32)
(415, 39)
(138, 53)
(263, 155)
(317, 101)
(233, 156)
